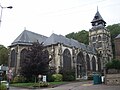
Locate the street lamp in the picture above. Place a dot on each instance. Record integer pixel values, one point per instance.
(9, 7)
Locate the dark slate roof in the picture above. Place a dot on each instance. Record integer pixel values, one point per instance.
(27, 37)
(118, 36)
(54, 39)
(97, 17)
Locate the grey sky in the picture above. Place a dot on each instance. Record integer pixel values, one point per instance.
(53, 16)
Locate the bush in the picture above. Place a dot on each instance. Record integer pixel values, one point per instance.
(50, 78)
(115, 64)
(68, 78)
(44, 84)
(3, 87)
(41, 84)
(19, 79)
(57, 77)
(68, 75)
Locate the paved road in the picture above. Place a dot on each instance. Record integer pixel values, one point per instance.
(77, 86)
(85, 86)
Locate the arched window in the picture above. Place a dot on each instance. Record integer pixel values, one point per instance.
(22, 56)
(88, 62)
(46, 55)
(13, 58)
(99, 38)
(66, 60)
(99, 64)
(81, 69)
(93, 64)
(94, 39)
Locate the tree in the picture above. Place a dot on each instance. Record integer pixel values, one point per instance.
(81, 36)
(3, 55)
(114, 64)
(114, 31)
(36, 61)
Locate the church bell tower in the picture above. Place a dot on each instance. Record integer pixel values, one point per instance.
(100, 38)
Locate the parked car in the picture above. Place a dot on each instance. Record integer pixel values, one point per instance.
(6, 84)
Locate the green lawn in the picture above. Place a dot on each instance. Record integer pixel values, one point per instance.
(28, 85)
(22, 84)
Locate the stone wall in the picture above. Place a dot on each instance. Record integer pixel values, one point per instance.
(117, 48)
(112, 79)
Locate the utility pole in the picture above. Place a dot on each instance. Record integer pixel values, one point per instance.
(9, 7)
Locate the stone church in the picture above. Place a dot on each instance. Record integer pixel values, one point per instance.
(67, 53)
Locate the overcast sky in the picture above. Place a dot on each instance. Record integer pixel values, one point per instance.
(53, 16)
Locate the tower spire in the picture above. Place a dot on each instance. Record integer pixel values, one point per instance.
(98, 19)
(97, 8)
(24, 28)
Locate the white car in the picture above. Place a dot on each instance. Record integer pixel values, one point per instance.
(6, 84)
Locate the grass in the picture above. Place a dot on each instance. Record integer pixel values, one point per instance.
(30, 85)
(22, 84)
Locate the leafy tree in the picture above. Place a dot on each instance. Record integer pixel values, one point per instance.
(3, 55)
(36, 61)
(81, 36)
(71, 35)
(115, 64)
(114, 31)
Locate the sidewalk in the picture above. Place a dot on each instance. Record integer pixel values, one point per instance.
(87, 85)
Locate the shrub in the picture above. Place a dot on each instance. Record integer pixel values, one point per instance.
(3, 87)
(41, 84)
(68, 75)
(44, 84)
(50, 73)
(115, 64)
(57, 77)
(68, 78)
(50, 78)
(19, 79)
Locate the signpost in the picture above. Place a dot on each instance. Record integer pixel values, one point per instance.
(44, 78)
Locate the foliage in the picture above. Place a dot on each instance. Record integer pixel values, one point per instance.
(22, 84)
(3, 87)
(19, 79)
(44, 84)
(81, 36)
(30, 85)
(41, 84)
(57, 77)
(114, 64)
(36, 61)
(114, 30)
(3, 55)
(50, 73)
(68, 75)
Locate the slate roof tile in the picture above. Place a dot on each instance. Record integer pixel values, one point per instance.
(27, 37)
